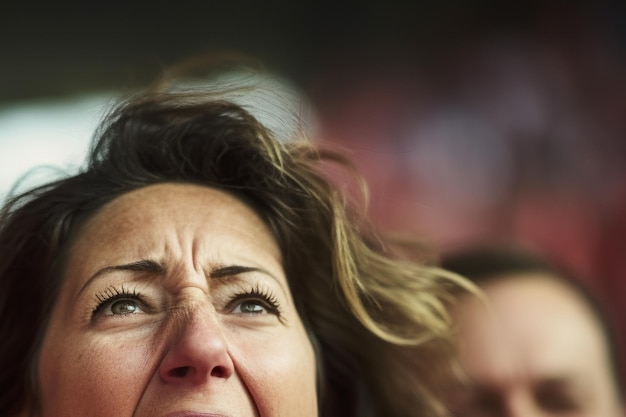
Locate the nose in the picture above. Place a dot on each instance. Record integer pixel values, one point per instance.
(197, 350)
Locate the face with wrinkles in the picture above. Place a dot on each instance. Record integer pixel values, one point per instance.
(174, 303)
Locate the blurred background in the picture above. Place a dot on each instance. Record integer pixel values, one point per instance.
(472, 121)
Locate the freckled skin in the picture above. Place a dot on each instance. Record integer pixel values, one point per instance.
(540, 353)
(194, 340)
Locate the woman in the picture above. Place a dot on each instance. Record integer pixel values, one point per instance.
(199, 267)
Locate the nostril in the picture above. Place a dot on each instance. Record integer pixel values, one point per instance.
(186, 371)
(179, 372)
(218, 372)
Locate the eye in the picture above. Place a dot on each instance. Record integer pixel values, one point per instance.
(556, 401)
(125, 307)
(255, 301)
(559, 395)
(114, 302)
(250, 307)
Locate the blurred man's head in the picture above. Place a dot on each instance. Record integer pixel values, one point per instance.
(544, 348)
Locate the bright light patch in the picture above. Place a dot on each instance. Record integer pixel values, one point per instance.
(43, 140)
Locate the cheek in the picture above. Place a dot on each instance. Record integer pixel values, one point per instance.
(281, 376)
(91, 377)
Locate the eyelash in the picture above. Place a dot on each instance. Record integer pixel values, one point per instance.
(112, 294)
(270, 302)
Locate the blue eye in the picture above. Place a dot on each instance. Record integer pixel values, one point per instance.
(255, 302)
(124, 306)
(114, 302)
(250, 307)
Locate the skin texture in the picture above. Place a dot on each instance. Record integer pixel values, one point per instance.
(538, 352)
(175, 301)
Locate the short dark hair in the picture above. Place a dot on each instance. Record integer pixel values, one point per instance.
(489, 263)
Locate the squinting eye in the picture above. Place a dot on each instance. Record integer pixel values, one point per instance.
(249, 307)
(123, 307)
(255, 302)
(114, 302)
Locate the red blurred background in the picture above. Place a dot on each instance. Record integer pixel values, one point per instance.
(473, 121)
(513, 131)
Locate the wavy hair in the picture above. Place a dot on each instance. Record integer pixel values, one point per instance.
(380, 325)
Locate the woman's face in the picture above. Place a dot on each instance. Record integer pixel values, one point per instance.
(175, 303)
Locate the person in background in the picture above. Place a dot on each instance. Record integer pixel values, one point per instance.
(541, 346)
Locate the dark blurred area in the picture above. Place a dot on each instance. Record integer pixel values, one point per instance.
(68, 46)
(472, 121)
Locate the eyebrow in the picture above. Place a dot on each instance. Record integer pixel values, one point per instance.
(230, 270)
(143, 265)
(234, 270)
(156, 268)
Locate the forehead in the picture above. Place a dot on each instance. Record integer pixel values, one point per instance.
(539, 306)
(174, 198)
(172, 214)
(171, 200)
(536, 328)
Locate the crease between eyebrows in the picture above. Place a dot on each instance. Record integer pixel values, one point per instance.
(154, 267)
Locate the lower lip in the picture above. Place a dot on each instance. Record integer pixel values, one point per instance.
(192, 414)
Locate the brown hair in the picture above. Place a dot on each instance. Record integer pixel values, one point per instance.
(380, 326)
